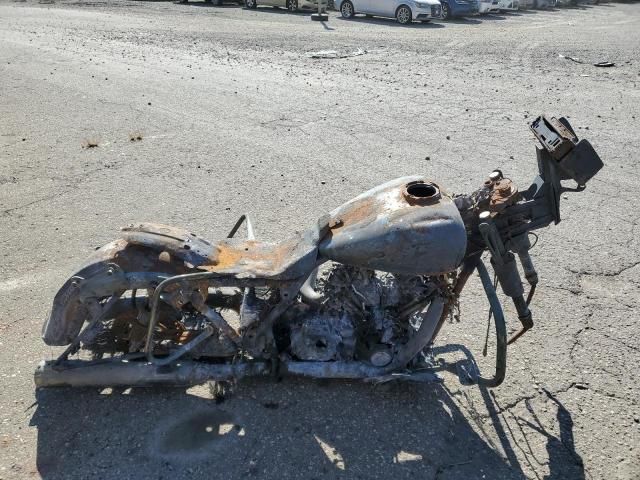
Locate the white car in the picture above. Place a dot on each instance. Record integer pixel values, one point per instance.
(508, 5)
(487, 6)
(404, 11)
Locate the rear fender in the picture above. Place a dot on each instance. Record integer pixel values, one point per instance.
(177, 242)
(149, 252)
(231, 257)
(103, 273)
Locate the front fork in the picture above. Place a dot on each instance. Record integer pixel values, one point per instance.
(506, 269)
(470, 265)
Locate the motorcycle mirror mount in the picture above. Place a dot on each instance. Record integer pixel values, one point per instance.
(575, 159)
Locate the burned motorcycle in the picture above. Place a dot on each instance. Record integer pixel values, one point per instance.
(360, 295)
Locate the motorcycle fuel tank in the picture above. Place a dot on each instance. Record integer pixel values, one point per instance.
(405, 226)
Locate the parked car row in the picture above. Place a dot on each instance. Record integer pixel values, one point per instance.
(407, 11)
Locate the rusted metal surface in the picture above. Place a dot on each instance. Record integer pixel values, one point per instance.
(388, 229)
(175, 241)
(251, 258)
(356, 213)
(504, 193)
(242, 258)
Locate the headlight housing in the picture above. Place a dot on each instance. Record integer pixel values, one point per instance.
(421, 5)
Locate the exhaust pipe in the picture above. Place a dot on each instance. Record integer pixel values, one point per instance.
(117, 373)
(122, 373)
(131, 373)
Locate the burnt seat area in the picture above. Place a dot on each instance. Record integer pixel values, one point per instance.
(287, 260)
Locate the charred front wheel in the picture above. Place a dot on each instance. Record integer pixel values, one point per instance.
(403, 15)
(292, 5)
(346, 9)
(446, 11)
(251, 4)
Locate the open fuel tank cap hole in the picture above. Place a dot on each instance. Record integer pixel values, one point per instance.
(421, 193)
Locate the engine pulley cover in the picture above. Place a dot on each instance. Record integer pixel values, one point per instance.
(322, 337)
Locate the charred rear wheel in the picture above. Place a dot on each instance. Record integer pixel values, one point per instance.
(292, 5)
(105, 309)
(250, 4)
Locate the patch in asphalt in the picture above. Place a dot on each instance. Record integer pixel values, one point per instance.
(196, 435)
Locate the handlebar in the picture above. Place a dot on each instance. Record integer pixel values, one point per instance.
(499, 217)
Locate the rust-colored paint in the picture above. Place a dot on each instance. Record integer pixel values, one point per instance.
(251, 253)
(359, 211)
(227, 256)
(504, 193)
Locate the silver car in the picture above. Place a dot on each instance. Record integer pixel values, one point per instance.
(404, 11)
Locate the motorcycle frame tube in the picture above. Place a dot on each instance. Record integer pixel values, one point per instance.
(214, 278)
(155, 300)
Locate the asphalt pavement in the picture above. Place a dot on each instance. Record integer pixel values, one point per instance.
(191, 114)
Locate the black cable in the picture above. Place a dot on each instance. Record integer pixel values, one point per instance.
(532, 290)
(486, 338)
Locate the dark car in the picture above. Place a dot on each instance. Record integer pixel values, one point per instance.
(458, 8)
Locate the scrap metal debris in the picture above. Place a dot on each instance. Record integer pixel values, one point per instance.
(336, 53)
(597, 64)
(573, 59)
